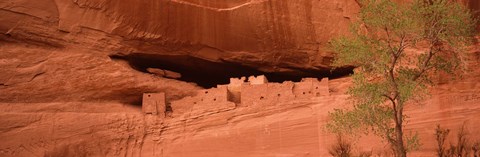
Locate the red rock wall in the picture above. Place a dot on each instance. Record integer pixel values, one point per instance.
(295, 128)
(288, 129)
(240, 31)
(61, 95)
(283, 36)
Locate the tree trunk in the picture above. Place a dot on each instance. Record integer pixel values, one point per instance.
(400, 150)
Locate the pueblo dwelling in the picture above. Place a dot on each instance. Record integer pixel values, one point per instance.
(255, 91)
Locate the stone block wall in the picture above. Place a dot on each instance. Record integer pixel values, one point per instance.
(257, 80)
(182, 106)
(265, 94)
(154, 103)
(257, 91)
(208, 100)
(321, 88)
(212, 100)
(311, 87)
(281, 92)
(254, 94)
(234, 89)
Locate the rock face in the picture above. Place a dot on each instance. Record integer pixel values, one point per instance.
(39, 74)
(287, 128)
(164, 73)
(269, 35)
(72, 75)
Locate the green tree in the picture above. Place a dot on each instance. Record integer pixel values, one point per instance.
(398, 48)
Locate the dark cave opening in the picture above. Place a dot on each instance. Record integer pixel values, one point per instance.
(209, 74)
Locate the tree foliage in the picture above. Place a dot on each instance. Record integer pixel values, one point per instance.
(398, 48)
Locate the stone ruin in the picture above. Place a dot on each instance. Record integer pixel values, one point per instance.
(208, 100)
(255, 91)
(154, 103)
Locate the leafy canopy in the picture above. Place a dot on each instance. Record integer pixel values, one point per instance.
(397, 48)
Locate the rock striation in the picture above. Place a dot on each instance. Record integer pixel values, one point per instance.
(73, 72)
(269, 35)
(285, 128)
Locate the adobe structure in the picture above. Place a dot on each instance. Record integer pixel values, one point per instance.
(208, 100)
(255, 91)
(154, 103)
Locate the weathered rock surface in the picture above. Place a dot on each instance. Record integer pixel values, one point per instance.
(294, 128)
(164, 73)
(269, 35)
(63, 94)
(40, 74)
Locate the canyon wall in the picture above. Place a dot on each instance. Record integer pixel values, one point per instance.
(289, 128)
(72, 75)
(270, 35)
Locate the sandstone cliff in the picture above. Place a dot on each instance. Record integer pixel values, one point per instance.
(289, 128)
(272, 36)
(72, 73)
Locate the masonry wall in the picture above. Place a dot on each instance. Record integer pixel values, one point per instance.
(212, 100)
(267, 94)
(182, 106)
(209, 100)
(257, 91)
(254, 94)
(257, 80)
(154, 103)
(280, 92)
(234, 89)
(321, 88)
(311, 87)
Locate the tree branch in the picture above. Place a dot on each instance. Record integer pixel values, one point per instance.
(426, 63)
(389, 40)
